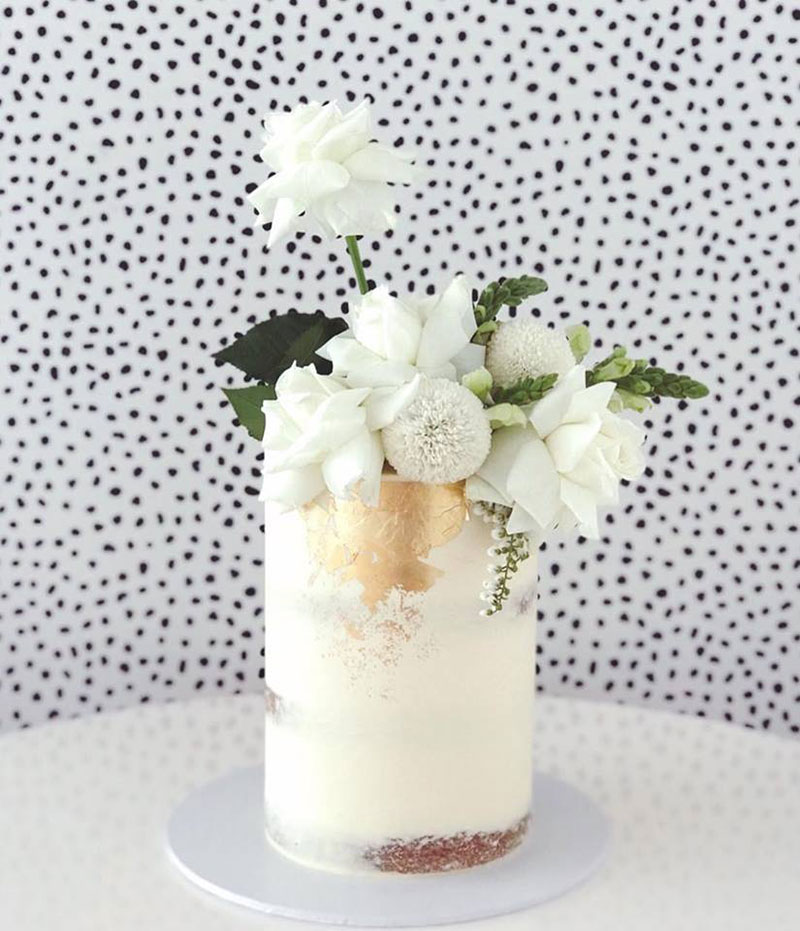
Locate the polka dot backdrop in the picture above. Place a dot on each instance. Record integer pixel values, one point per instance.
(639, 155)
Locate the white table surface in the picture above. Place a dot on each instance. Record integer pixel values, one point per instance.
(706, 820)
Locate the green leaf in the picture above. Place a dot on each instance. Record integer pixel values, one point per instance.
(269, 348)
(247, 404)
(510, 292)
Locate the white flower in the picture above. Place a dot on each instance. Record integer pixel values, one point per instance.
(442, 436)
(316, 435)
(557, 470)
(390, 340)
(527, 349)
(329, 171)
(621, 443)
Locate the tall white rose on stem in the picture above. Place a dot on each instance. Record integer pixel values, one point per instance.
(566, 462)
(390, 340)
(319, 434)
(330, 175)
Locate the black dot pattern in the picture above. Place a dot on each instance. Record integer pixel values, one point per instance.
(639, 155)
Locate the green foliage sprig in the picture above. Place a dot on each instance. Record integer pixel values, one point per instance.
(637, 378)
(508, 292)
(524, 391)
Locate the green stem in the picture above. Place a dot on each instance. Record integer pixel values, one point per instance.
(355, 256)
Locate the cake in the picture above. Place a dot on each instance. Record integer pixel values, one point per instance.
(398, 716)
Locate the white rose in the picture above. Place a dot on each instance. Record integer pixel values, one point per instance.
(316, 435)
(621, 443)
(393, 340)
(553, 472)
(386, 326)
(330, 176)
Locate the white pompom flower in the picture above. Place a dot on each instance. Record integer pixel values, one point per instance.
(527, 349)
(443, 435)
(331, 176)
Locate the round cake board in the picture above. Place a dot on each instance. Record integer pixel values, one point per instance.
(216, 838)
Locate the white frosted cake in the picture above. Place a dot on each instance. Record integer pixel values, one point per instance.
(398, 725)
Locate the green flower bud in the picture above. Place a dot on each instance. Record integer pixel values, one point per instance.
(479, 382)
(580, 342)
(622, 399)
(506, 415)
(617, 367)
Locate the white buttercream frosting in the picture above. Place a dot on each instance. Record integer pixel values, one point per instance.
(409, 719)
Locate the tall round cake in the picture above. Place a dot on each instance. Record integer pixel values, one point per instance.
(398, 715)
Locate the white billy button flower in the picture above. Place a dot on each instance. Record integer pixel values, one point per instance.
(441, 436)
(391, 340)
(330, 175)
(527, 349)
(557, 470)
(319, 434)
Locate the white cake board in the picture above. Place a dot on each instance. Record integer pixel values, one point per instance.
(216, 838)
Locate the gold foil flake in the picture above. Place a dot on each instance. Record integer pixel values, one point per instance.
(385, 547)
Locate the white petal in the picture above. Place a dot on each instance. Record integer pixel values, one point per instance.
(569, 442)
(280, 431)
(583, 504)
(589, 401)
(347, 355)
(520, 521)
(347, 137)
(548, 413)
(300, 390)
(360, 208)
(290, 140)
(468, 359)
(356, 462)
(382, 373)
(293, 487)
(533, 482)
(305, 182)
(449, 326)
(334, 422)
(284, 220)
(594, 472)
(387, 326)
(477, 489)
(506, 444)
(376, 162)
(384, 404)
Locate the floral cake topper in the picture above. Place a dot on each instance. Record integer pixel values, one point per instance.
(437, 389)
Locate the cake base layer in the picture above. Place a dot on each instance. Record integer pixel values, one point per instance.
(440, 854)
(216, 839)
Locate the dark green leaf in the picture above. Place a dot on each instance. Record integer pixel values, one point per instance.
(247, 404)
(272, 346)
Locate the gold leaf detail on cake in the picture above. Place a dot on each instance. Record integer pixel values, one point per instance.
(385, 547)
